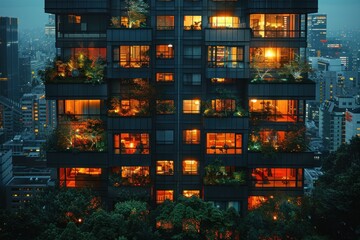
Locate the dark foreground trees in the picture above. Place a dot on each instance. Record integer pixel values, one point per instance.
(332, 212)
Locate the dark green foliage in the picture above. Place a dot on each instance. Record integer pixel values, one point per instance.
(192, 218)
(282, 217)
(337, 193)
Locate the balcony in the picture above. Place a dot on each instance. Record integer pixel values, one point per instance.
(281, 6)
(218, 35)
(78, 6)
(129, 35)
(81, 39)
(75, 91)
(281, 159)
(75, 159)
(283, 90)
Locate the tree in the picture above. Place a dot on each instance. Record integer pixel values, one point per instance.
(281, 217)
(136, 12)
(337, 191)
(192, 218)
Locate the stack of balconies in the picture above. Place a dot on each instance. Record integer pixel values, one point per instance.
(178, 37)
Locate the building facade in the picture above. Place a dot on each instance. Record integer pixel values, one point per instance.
(176, 112)
(317, 31)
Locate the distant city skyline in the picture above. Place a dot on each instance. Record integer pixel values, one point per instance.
(342, 15)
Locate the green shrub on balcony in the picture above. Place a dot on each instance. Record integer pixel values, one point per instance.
(295, 141)
(79, 69)
(135, 179)
(79, 136)
(216, 174)
(229, 103)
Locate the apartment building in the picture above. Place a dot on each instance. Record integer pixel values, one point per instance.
(173, 108)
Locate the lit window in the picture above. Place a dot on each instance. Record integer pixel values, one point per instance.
(191, 106)
(162, 195)
(190, 193)
(225, 56)
(75, 109)
(165, 51)
(129, 107)
(272, 57)
(191, 136)
(132, 56)
(223, 143)
(74, 19)
(164, 77)
(277, 110)
(165, 106)
(131, 143)
(192, 22)
(190, 167)
(277, 25)
(135, 176)
(224, 22)
(165, 136)
(277, 177)
(192, 79)
(80, 177)
(221, 105)
(164, 167)
(165, 22)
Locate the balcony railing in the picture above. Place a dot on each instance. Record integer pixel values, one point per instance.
(278, 34)
(78, 6)
(227, 35)
(281, 6)
(299, 90)
(129, 35)
(75, 91)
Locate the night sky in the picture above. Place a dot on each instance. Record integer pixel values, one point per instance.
(342, 14)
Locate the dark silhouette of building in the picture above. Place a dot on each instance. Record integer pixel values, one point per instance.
(177, 111)
(9, 60)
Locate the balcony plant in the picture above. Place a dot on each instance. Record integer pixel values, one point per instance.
(297, 68)
(215, 174)
(141, 92)
(223, 94)
(135, 179)
(294, 141)
(136, 12)
(165, 107)
(262, 66)
(81, 136)
(78, 69)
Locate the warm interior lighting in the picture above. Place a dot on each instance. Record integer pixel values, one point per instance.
(170, 45)
(269, 53)
(253, 100)
(196, 102)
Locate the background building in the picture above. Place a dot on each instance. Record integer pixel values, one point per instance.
(317, 28)
(9, 60)
(185, 115)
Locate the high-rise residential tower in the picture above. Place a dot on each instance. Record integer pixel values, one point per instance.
(317, 29)
(177, 111)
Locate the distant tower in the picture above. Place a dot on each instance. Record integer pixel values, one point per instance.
(50, 26)
(317, 28)
(9, 60)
